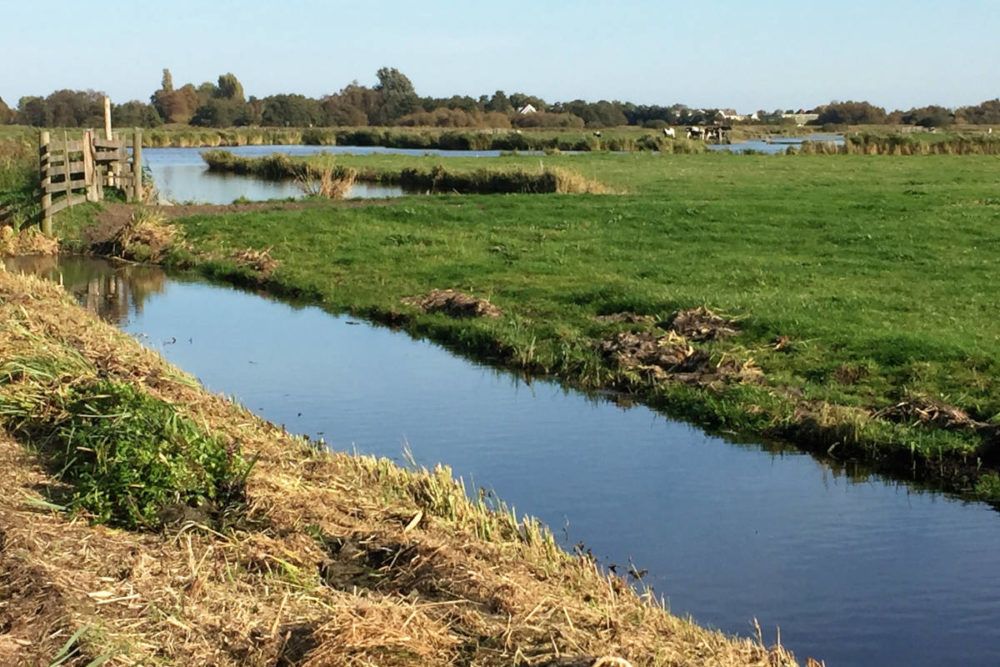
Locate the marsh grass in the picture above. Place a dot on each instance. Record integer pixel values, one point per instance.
(319, 174)
(327, 180)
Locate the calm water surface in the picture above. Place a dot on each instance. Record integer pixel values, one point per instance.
(776, 144)
(854, 570)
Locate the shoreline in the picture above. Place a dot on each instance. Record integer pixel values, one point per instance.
(313, 514)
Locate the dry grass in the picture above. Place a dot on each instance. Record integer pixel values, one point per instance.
(353, 560)
(259, 261)
(570, 182)
(327, 181)
(144, 237)
(29, 241)
(454, 304)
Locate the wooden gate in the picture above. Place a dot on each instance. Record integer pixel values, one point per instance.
(77, 171)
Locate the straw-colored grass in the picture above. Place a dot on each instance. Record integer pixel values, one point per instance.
(350, 561)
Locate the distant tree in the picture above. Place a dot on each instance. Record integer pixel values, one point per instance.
(31, 110)
(6, 113)
(167, 83)
(594, 114)
(220, 112)
(929, 116)
(135, 114)
(340, 113)
(291, 111)
(547, 119)
(229, 88)
(397, 96)
(986, 113)
(852, 113)
(177, 106)
(520, 100)
(499, 103)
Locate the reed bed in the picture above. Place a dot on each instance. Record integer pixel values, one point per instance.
(347, 560)
(312, 176)
(905, 144)
(620, 140)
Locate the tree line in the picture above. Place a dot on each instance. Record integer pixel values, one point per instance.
(394, 101)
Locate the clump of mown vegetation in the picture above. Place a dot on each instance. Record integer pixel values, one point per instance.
(130, 459)
(144, 237)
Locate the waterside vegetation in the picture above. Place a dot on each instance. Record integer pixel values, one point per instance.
(857, 290)
(235, 543)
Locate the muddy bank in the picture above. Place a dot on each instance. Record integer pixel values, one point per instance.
(344, 560)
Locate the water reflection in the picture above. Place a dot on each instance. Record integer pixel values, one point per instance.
(854, 569)
(114, 292)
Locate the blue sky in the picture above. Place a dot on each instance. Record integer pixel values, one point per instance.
(747, 54)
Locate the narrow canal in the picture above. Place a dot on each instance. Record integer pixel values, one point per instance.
(854, 569)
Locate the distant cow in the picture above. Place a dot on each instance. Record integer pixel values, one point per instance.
(669, 132)
(597, 134)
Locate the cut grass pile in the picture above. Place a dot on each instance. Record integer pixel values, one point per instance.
(343, 560)
(855, 284)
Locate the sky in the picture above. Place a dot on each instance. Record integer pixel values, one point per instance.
(742, 54)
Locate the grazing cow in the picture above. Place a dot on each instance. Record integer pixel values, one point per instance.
(597, 134)
(669, 132)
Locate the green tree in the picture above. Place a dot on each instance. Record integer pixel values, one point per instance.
(397, 96)
(6, 113)
(499, 102)
(929, 116)
(135, 114)
(230, 88)
(167, 83)
(852, 113)
(291, 111)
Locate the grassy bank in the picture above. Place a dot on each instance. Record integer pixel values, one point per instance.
(315, 558)
(519, 178)
(858, 291)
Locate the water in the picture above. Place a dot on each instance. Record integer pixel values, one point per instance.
(182, 176)
(853, 569)
(776, 144)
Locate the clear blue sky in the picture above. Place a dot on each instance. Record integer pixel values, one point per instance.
(747, 54)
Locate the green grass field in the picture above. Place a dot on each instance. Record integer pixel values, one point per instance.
(881, 272)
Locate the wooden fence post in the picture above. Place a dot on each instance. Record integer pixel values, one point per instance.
(43, 164)
(107, 118)
(137, 165)
(89, 173)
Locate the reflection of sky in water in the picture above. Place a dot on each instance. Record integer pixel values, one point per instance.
(855, 572)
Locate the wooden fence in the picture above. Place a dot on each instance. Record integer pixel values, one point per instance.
(78, 170)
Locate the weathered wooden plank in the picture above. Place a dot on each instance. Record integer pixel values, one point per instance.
(44, 144)
(107, 143)
(66, 202)
(62, 186)
(66, 145)
(59, 168)
(109, 156)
